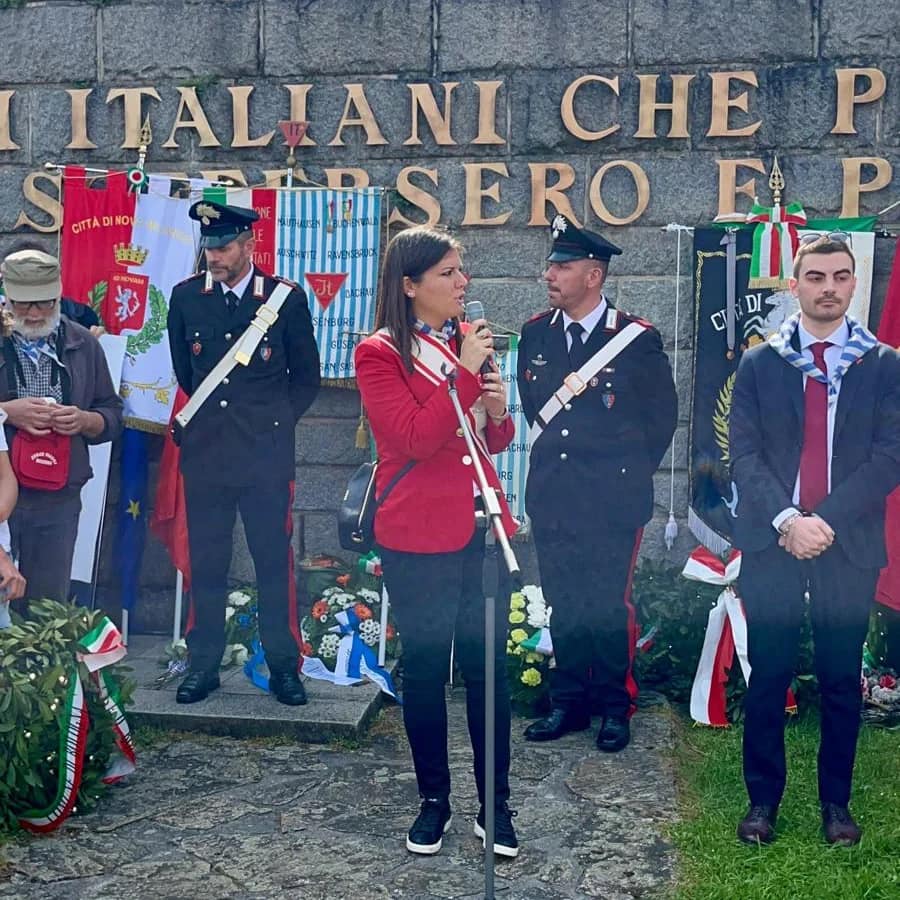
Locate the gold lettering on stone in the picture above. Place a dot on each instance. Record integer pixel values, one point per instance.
(854, 185)
(649, 106)
(190, 104)
(728, 186)
(848, 99)
(428, 203)
(422, 99)
(49, 203)
(722, 104)
(240, 119)
(132, 101)
(487, 113)
(358, 178)
(78, 105)
(567, 108)
(542, 193)
(475, 192)
(6, 141)
(364, 118)
(641, 184)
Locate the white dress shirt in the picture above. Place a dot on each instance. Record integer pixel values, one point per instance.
(588, 323)
(838, 338)
(239, 288)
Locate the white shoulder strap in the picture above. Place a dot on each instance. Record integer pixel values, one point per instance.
(240, 354)
(576, 383)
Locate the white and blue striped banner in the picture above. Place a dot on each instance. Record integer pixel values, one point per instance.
(323, 234)
(512, 463)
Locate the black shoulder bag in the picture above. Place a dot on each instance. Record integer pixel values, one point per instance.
(356, 516)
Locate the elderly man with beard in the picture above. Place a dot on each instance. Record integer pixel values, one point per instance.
(55, 387)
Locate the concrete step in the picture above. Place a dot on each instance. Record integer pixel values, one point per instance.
(240, 709)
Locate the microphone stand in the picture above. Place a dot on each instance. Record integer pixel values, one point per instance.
(492, 508)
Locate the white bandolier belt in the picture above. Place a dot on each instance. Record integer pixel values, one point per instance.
(238, 355)
(575, 383)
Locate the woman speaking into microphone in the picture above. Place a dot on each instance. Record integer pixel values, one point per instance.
(432, 551)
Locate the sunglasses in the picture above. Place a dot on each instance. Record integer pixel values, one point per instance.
(25, 305)
(842, 237)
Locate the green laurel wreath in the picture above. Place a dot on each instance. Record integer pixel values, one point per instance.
(152, 332)
(721, 416)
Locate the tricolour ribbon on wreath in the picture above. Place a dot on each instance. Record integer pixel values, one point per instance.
(726, 635)
(96, 650)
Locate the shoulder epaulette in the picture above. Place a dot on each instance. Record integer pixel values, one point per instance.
(191, 278)
(287, 281)
(542, 314)
(641, 321)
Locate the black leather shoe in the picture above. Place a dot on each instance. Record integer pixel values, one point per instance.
(614, 734)
(427, 833)
(287, 688)
(559, 722)
(838, 825)
(196, 686)
(758, 826)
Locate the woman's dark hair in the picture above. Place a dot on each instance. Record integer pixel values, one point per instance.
(410, 253)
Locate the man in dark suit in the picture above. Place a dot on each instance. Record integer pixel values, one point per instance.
(815, 450)
(599, 429)
(238, 450)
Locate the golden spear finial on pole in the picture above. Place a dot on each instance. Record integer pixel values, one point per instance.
(776, 182)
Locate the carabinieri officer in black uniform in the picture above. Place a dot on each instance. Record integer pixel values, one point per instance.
(237, 452)
(598, 393)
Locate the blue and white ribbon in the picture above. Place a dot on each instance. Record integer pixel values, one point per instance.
(861, 341)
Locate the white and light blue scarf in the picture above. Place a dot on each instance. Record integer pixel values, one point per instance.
(860, 342)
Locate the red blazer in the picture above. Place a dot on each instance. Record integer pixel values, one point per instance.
(432, 508)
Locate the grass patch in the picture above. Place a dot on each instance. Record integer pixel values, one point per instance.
(714, 865)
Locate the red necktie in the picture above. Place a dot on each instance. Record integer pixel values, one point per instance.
(814, 455)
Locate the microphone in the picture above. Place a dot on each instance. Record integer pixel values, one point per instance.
(475, 311)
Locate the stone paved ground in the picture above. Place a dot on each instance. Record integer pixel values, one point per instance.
(215, 817)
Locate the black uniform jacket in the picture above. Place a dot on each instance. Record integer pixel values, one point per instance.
(244, 433)
(766, 437)
(594, 462)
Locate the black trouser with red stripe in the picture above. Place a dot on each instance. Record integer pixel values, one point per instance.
(586, 578)
(266, 513)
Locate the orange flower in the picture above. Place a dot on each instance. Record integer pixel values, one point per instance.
(320, 608)
(307, 649)
(362, 611)
(390, 632)
(343, 580)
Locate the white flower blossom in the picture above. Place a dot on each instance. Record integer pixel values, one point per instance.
(369, 596)
(180, 644)
(369, 631)
(229, 612)
(238, 598)
(328, 646)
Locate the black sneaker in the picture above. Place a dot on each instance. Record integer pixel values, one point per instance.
(427, 832)
(505, 841)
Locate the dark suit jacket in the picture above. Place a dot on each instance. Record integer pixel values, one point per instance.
(766, 436)
(594, 463)
(244, 433)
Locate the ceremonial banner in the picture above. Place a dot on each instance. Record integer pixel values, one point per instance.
(95, 219)
(159, 253)
(122, 252)
(755, 315)
(328, 242)
(512, 463)
(93, 494)
(888, 591)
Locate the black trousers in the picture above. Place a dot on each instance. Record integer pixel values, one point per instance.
(266, 514)
(436, 597)
(43, 542)
(772, 585)
(587, 581)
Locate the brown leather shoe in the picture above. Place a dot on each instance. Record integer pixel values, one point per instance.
(758, 826)
(838, 825)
